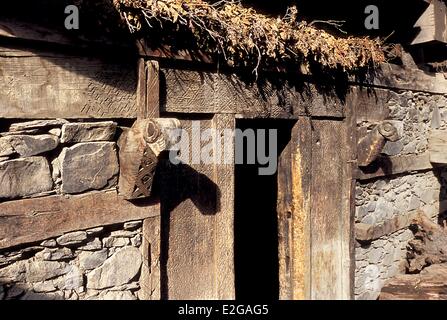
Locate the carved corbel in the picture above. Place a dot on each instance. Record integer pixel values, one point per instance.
(370, 146)
(139, 151)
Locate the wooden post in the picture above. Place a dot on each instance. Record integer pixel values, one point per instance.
(294, 214)
(148, 94)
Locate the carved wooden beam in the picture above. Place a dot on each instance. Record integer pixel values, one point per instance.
(370, 146)
(140, 148)
(432, 23)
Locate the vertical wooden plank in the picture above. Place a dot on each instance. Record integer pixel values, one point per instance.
(150, 271)
(149, 107)
(152, 89)
(348, 213)
(141, 89)
(197, 213)
(224, 218)
(328, 189)
(294, 213)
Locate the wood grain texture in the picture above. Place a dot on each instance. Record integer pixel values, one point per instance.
(430, 284)
(197, 216)
(187, 91)
(328, 250)
(30, 220)
(388, 166)
(152, 89)
(293, 211)
(150, 269)
(41, 84)
(348, 211)
(398, 77)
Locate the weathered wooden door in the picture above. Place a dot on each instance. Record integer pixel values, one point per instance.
(314, 212)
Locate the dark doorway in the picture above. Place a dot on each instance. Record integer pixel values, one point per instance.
(256, 225)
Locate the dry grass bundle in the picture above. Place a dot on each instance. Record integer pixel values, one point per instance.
(244, 37)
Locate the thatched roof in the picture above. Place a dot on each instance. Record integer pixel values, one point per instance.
(245, 38)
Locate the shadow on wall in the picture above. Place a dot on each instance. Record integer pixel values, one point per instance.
(21, 292)
(174, 184)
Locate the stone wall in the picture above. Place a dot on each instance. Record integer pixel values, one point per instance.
(381, 199)
(48, 157)
(45, 157)
(99, 263)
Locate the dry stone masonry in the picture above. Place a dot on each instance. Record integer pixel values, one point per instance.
(56, 156)
(388, 203)
(101, 263)
(50, 157)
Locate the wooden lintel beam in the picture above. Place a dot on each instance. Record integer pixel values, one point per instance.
(31, 220)
(388, 166)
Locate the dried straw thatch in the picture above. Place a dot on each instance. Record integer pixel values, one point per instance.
(244, 37)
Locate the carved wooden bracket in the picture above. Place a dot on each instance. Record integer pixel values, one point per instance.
(139, 151)
(370, 146)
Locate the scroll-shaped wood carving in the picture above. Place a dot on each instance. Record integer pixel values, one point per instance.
(140, 148)
(370, 146)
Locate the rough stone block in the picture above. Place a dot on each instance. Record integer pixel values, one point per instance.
(72, 280)
(89, 166)
(119, 269)
(38, 271)
(37, 124)
(72, 238)
(92, 260)
(24, 177)
(88, 132)
(27, 145)
(56, 254)
(93, 245)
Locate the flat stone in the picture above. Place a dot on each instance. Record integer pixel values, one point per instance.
(95, 231)
(27, 146)
(136, 241)
(92, 260)
(56, 254)
(38, 271)
(72, 280)
(414, 204)
(115, 242)
(13, 273)
(123, 233)
(393, 148)
(430, 196)
(55, 132)
(24, 177)
(70, 295)
(88, 132)
(56, 170)
(72, 238)
(93, 245)
(6, 148)
(51, 243)
(14, 292)
(129, 286)
(375, 255)
(117, 270)
(30, 131)
(37, 124)
(116, 295)
(132, 225)
(45, 286)
(89, 166)
(30, 295)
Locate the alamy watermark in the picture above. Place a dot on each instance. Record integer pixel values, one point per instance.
(226, 146)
